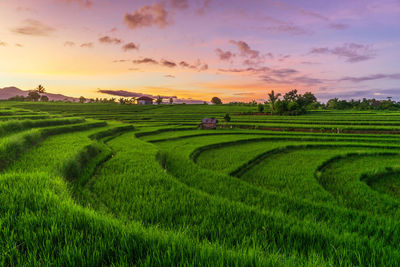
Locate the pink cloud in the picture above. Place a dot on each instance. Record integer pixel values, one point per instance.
(109, 40)
(130, 46)
(69, 43)
(34, 28)
(87, 45)
(224, 55)
(147, 16)
(83, 3)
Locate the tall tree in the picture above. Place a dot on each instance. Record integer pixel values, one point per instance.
(40, 89)
(44, 98)
(260, 107)
(272, 97)
(291, 96)
(308, 98)
(33, 96)
(216, 100)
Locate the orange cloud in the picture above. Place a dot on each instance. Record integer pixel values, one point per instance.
(87, 45)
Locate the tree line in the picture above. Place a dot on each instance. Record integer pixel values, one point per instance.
(293, 103)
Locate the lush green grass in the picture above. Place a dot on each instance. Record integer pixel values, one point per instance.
(341, 177)
(386, 182)
(160, 192)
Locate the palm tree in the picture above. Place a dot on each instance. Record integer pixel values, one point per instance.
(40, 89)
(159, 100)
(272, 99)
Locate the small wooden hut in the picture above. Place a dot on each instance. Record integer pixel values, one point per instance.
(208, 123)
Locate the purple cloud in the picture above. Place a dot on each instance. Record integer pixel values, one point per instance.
(352, 52)
(168, 64)
(339, 26)
(145, 61)
(371, 77)
(179, 4)
(245, 49)
(224, 55)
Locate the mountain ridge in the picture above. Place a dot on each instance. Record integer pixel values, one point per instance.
(11, 91)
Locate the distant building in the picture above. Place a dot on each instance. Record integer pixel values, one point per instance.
(144, 100)
(208, 123)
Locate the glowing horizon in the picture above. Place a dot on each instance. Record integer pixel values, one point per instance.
(236, 50)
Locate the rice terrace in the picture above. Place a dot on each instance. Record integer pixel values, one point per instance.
(109, 184)
(200, 133)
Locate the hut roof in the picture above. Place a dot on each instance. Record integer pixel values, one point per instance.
(145, 98)
(209, 120)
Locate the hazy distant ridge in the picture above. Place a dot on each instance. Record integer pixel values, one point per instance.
(7, 92)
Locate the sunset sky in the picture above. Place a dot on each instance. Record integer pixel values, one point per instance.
(236, 50)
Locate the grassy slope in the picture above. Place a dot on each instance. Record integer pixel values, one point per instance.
(132, 211)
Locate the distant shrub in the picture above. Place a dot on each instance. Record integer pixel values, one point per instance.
(260, 107)
(227, 117)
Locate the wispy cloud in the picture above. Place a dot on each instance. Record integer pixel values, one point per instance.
(109, 40)
(303, 80)
(204, 6)
(145, 61)
(130, 46)
(180, 4)
(339, 26)
(285, 76)
(199, 66)
(168, 63)
(366, 93)
(121, 60)
(352, 52)
(87, 45)
(69, 43)
(245, 49)
(224, 55)
(34, 28)
(372, 77)
(252, 57)
(83, 3)
(24, 9)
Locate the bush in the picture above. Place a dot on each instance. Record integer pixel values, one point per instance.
(260, 107)
(227, 118)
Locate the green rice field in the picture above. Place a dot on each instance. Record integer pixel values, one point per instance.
(128, 185)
